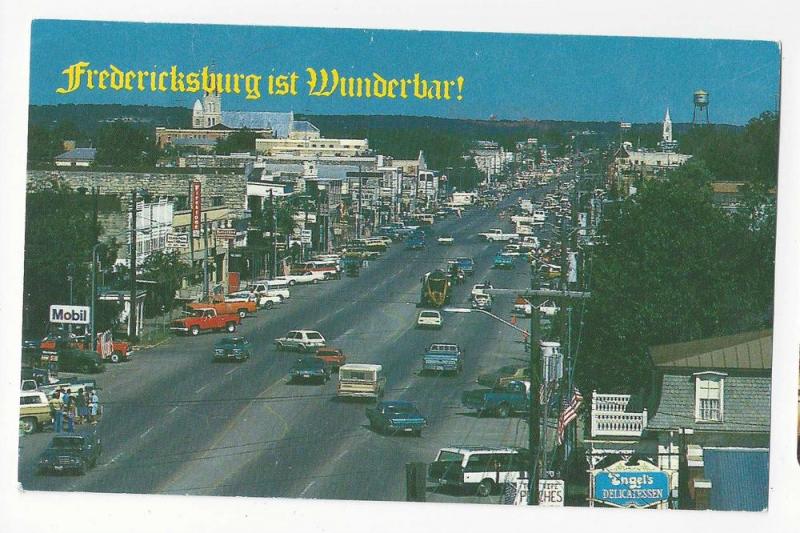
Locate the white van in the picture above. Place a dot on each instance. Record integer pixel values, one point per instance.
(357, 380)
(478, 468)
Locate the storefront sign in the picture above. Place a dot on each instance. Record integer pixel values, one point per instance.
(631, 488)
(551, 492)
(196, 207)
(69, 314)
(225, 233)
(178, 240)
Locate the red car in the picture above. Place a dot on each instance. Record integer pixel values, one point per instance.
(332, 356)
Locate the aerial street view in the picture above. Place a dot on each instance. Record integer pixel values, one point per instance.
(525, 270)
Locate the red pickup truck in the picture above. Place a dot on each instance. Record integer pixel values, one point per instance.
(205, 319)
(107, 348)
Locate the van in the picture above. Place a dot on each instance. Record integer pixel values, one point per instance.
(478, 469)
(357, 380)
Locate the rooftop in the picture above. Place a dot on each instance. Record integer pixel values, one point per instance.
(83, 154)
(751, 350)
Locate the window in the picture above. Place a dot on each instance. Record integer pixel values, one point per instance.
(709, 396)
(217, 201)
(181, 202)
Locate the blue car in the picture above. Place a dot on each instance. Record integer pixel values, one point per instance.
(395, 416)
(415, 242)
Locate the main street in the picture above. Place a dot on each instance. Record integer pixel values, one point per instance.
(175, 423)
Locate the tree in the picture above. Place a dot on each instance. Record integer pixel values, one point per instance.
(123, 145)
(676, 268)
(168, 271)
(243, 140)
(58, 244)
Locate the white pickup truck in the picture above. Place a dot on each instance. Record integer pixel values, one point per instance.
(266, 288)
(497, 235)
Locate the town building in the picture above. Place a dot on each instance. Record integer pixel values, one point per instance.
(705, 423)
(76, 157)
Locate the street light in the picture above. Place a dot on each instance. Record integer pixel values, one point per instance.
(485, 312)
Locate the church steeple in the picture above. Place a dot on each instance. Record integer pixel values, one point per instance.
(666, 134)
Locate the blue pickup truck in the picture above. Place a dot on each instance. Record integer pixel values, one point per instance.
(501, 401)
(396, 416)
(443, 357)
(503, 261)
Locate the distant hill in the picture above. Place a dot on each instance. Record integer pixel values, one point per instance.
(89, 117)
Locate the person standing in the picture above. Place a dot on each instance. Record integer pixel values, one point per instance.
(56, 410)
(80, 406)
(94, 406)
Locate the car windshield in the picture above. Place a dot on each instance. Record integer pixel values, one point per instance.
(67, 443)
(400, 409)
(327, 351)
(309, 362)
(429, 314)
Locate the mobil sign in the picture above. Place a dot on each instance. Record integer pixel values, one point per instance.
(69, 314)
(631, 488)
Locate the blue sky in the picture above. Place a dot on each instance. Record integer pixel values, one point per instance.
(507, 75)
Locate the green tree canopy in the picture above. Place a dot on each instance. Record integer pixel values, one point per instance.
(675, 268)
(243, 140)
(124, 145)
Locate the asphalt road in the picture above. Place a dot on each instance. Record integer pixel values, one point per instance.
(176, 423)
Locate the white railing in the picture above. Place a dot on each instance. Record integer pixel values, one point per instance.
(609, 418)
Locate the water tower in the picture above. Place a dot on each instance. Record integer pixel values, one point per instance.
(700, 104)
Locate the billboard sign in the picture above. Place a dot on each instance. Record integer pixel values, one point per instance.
(196, 207)
(631, 488)
(178, 240)
(69, 314)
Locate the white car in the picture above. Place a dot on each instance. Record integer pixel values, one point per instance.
(549, 308)
(429, 319)
(482, 301)
(512, 250)
(304, 277)
(266, 288)
(446, 239)
(480, 288)
(305, 340)
(262, 300)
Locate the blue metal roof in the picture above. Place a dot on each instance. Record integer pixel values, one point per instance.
(279, 123)
(79, 153)
(739, 478)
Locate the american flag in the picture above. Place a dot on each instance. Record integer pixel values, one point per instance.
(569, 412)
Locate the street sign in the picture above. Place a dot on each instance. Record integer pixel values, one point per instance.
(225, 233)
(631, 488)
(305, 236)
(551, 492)
(178, 240)
(69, 314)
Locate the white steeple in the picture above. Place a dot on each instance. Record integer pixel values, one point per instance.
(666, 134)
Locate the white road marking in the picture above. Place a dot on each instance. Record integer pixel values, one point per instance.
(201, 388)
(113, 460)
(339, 457)
(231, 371)
(306, 489)
(146, 432)
(173, 410)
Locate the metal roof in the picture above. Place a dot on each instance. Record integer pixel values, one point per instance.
(84, 154)
(751, 350)
(739, 478)
(279, 123)
(303, 125)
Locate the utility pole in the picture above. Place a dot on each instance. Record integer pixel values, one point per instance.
(533, 413)
(205, 257)
(274, 234)
(132, 329)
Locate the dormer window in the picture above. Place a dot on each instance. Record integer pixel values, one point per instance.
(709, 396)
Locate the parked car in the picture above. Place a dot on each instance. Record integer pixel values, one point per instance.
(395, 416)
(271, 288)
(304, 340)
(478, 469)
(34, 411)
(334, 357)
(71, 452)
(446, 239)
(429, 319)
(205, 319)
(232, 349)
(308, 276)
(308, 369)
(83, 361)
(359, 380)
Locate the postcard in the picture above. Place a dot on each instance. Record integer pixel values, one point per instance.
(406, 266)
